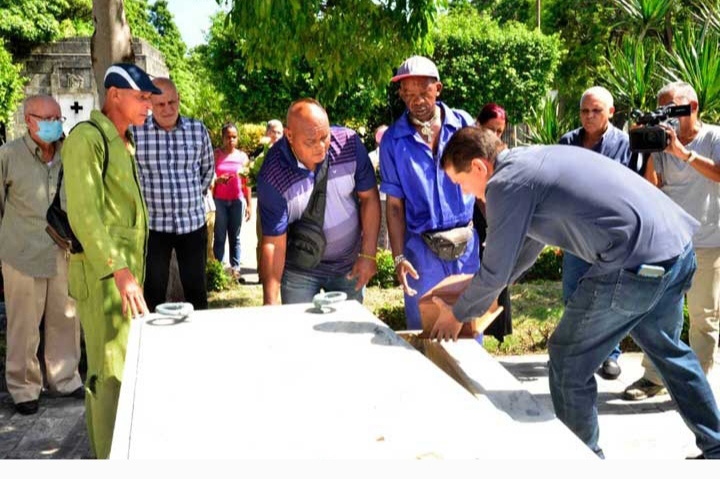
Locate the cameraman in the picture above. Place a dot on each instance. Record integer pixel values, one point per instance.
(688, 171)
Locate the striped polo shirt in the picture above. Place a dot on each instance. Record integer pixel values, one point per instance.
(284, 189)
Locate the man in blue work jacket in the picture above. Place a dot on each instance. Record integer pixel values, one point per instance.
(424, 207)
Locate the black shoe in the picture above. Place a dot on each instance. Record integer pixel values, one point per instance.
(610, 369)
(28, 407)
(79, 393)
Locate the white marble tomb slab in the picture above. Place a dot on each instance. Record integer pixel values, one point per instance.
(282, 383)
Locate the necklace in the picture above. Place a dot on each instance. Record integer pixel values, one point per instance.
(426, 126)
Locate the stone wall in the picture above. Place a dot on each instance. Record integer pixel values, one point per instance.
(64, 70)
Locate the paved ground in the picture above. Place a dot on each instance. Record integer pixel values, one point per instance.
(57, 431)
(650, 429)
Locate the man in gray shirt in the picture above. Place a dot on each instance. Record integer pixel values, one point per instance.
(638, 242)
(34, 268)
(688, 171)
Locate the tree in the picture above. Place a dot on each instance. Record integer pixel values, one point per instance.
(11, 85)
(26, 23)
(263, 93)
(523, 11)
(661, 41)
(481, 62)
(585, 28)
(111, 42)
(341, 41)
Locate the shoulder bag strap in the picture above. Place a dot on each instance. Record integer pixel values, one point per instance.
(315, 210)
(106, 159)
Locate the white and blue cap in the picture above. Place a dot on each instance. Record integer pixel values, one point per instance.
(129, 77)
(417, 66)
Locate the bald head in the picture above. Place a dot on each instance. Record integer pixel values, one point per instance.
(43, 119)
(166, 106)
(308, 131)
(41, 105)
(164, 84)
(304, 111)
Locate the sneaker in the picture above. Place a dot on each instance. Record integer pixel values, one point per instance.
(28, 407)
(610, 369)
(643, 389)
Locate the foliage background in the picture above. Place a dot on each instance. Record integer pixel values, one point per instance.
(482, 62)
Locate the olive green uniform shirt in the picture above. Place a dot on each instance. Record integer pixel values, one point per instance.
(109, 218)
(27, 187)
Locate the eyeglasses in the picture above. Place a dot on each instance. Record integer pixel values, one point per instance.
(594, 111)
(61, 119)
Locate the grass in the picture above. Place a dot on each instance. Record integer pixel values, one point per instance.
(537, 307)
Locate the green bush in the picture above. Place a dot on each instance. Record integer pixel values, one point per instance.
(217, 279)
(385, 277)
(11, 85)
(481, 62)
(547, 267)
(393, 316)
(249, 135)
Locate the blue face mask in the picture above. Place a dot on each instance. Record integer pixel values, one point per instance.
(49, 130)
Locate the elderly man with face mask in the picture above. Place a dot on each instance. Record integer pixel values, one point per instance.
(34, 268)
(310, 153)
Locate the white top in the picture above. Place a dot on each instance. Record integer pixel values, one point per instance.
(280, 382)
(698, 195)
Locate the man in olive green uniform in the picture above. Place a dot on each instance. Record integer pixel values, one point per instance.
(108, 215)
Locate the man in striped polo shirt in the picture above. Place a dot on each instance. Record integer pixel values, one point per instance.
(352, 211)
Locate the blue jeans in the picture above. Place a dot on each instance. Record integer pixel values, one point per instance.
(229, 217)
(574, 268)
(300, 288)
(604, 309)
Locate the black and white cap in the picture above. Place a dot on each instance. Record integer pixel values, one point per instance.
(129, 77)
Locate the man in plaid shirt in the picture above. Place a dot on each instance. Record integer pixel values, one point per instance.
(176, 166)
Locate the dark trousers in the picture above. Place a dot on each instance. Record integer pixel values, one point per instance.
(191, 251)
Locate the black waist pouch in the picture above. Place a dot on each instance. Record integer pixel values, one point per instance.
(450, 244)
(58, 227)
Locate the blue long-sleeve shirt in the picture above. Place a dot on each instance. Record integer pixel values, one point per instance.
(614, 143)
(578, 200)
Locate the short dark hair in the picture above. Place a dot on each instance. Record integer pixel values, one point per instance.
(469, 143)
(227, 126)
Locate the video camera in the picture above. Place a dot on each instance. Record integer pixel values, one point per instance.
(651, 136)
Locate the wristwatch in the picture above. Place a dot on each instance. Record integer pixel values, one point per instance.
(398, 259)
(692, 157)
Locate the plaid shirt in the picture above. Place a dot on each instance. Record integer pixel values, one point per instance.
(176, 168)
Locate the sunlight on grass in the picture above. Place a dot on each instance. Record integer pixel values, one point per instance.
(536, 309)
